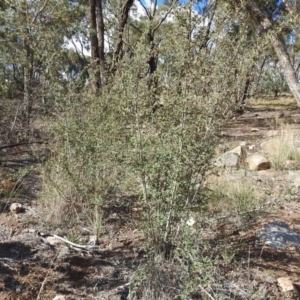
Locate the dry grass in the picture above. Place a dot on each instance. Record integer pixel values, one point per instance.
(281, 102)
(233, 194)
(56, 195)
(282, 147)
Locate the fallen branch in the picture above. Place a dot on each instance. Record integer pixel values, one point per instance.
(84, 247)
(22, 144)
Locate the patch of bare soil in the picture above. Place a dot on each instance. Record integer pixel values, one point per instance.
(34, 265)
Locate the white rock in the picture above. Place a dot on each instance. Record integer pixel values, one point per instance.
(16, 208)
(294, 178)
(59, 297)
(257, 162)
(243, 143)
(285, 283)
(254, 130)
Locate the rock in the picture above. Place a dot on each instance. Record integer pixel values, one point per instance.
(251, 147)
(232, 158)
(254, 130)
(257, 162)
(243, 144)
(228, 159)
(190, 222)
(59, 297)
(294, 178)
(286, 284)
(278, 234)
(16, 208)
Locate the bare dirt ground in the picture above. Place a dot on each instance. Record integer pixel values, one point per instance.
(34, 266)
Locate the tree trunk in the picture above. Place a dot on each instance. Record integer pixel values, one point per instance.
(279, 48)
(96, 80)
(123, 21)
(101, 42)
(289, 72)
(27, 86)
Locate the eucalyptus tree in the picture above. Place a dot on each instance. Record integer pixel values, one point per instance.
(277, 20)
(32, 34)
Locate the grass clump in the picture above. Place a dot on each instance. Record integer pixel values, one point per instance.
(233, 195)
(282, 148)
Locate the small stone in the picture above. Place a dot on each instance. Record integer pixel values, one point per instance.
(243, 144)
(59, 297)
(254, 130)
(190, 222)
(285, 283)
(16, 208)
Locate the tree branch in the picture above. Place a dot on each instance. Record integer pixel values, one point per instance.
(39, 12)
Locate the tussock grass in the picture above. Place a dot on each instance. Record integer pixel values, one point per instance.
(282, 147)
(233, 194)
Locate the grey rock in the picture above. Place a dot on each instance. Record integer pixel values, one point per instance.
(278, 234)
(228, 159)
